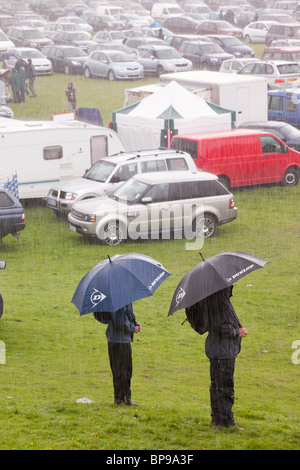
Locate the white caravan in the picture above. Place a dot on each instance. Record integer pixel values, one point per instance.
(44, 152)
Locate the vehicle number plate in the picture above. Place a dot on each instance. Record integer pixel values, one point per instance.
(52, 202)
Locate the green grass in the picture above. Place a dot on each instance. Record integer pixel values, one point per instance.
(54, 356)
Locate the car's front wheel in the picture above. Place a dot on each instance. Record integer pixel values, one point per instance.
(205, 227)
(113, 234)
(291, 177)
(111, 76)
(87, 72)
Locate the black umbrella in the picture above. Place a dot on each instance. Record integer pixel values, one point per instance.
(212, 275)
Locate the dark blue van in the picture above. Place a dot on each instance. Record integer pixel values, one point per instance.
(284, 105)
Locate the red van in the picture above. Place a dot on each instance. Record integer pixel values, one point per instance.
(242, 157)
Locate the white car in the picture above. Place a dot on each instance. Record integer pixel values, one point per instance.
(256, 32)
(188, 204)
(42, 65)
(279, 74)
(234, 65)
(5, 42)
(77, 20)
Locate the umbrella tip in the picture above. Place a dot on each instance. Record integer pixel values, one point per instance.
(201, 256)
(109, 258)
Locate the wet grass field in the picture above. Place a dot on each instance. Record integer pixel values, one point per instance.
(55, 357)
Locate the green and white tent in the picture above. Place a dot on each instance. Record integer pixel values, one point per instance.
(152, 122)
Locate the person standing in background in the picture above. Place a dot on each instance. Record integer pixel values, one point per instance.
(31, 74)
(71, 96)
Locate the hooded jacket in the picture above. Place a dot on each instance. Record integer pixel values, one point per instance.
(121, 325)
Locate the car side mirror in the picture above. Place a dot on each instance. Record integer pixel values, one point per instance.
(146, 200)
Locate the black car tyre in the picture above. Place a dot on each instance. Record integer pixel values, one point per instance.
(87, 73)
(291, 177)
(111, 76)
(205, 227)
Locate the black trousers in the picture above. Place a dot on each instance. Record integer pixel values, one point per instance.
(222, 391)
(120, 358)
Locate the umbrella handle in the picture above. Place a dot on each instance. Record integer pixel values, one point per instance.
(109, 258)
(203, 259)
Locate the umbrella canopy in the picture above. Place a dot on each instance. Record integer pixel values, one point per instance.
(118, 281)
(212, 275)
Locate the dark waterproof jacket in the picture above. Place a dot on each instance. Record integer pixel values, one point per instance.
(121, 325)
(216, 315)
(71, 93)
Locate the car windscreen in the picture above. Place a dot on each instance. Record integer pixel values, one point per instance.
(167, 54)
(100, 171)
(73, 52)
(291, 131)
(130, 191)
(210, 49)
(120, 57)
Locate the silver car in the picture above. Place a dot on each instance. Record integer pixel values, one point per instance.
(110, 172)
(279, 74)
(171, 204)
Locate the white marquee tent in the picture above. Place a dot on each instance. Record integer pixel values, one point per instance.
(171, 110)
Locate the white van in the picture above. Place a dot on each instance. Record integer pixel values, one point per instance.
(109, 10)
(161, 11)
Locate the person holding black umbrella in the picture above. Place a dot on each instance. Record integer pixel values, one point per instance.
(215, 314)
(121, 327)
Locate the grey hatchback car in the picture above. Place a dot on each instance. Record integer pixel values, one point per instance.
(182, 204)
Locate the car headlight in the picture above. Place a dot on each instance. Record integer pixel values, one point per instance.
(75, 62)
(89, 217)
(70, 196)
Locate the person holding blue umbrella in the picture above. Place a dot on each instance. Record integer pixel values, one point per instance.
(108, 291)
(121, 327)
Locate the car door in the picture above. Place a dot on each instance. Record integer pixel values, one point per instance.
(103, 64)
(156, 216)
(273, 159)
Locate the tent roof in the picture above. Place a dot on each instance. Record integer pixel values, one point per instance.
(172, 102)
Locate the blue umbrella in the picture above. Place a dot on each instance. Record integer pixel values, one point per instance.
(155, 25)
(118, 281)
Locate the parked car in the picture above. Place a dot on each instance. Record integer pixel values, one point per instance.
(256, 32)
(279, 74)
(131, 20)
(283, 31)
(181, 24)
(204, 55)
(289, 134)
(284, 105)
(78, 21)
(66, 59)
(110, 46)
(168, 59)
(41, 64)
(190, 204)
(28, 37)
(12, 218)
(8, 21)
(48, 8)
(113, 65)
(110, 172)
(5, 43)
(138, 41)
(232, 45)
(235, 64)
(104, 36)
(285, 42)
(105, 22)
(218, 27)
(147, 60)
(77, 39)
(52, 29)
(281, 53)
(177, 39)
